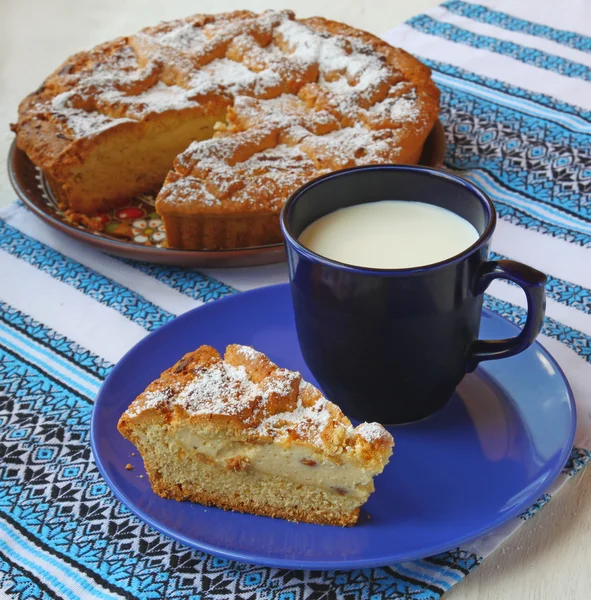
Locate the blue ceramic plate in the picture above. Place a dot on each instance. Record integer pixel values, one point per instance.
(484, 458)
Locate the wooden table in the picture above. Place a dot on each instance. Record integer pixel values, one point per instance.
(550, 557)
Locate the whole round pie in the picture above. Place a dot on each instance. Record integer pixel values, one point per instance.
(224, 116)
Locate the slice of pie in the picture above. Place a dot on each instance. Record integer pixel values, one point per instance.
(242, 434)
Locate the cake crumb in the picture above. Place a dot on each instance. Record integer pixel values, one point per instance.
(129, 467)
(141, 476)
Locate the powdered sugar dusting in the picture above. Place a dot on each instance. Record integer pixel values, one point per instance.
(347, 67)
(265, 178)
(357, 111)
(395, 109)
(84, 124)
(188, 189)
(281, 406)
(403, 109)
(249, 353)
(183, 37)
(159, 98)
(170, 66)
(150, 400)
(372, 432)
(305, 422)
(236, 78)
(222, 389)
(352, 146)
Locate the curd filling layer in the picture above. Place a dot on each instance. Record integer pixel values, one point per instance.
(298, 464)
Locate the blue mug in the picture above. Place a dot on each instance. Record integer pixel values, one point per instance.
(392, 345)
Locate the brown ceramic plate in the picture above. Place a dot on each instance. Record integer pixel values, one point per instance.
(136, 231)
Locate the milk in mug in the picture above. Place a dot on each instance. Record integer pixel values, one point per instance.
(389, 234)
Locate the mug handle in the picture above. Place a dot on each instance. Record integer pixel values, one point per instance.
(532, 282)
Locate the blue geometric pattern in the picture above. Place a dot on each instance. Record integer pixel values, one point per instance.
(565, 292)
(539, 159)
(538, 171)
(51, 490)
(558, 106)
(579, 457)
(576, 340)
(505, 21)
(16, 583)
(190, 283)
(532, 510)
(530, 56)
(56, 342)
(106, 291)
(523, 219)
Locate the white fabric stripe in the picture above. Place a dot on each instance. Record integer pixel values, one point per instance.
(523, 39)
(48, 360)
(513, 102)
(574, 18)
(94, 326)
(426, 571)
(488, 64)
(248, 279)
(57, 575)
(544, 252)
(561, 312)
(153, 290)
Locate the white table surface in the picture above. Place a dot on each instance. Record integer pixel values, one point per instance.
(549, 558)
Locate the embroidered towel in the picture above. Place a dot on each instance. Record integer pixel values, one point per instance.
(515, 90)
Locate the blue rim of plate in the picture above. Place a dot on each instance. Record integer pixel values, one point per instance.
(245, 557)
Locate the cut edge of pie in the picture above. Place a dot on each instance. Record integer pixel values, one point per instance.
(242, 434)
